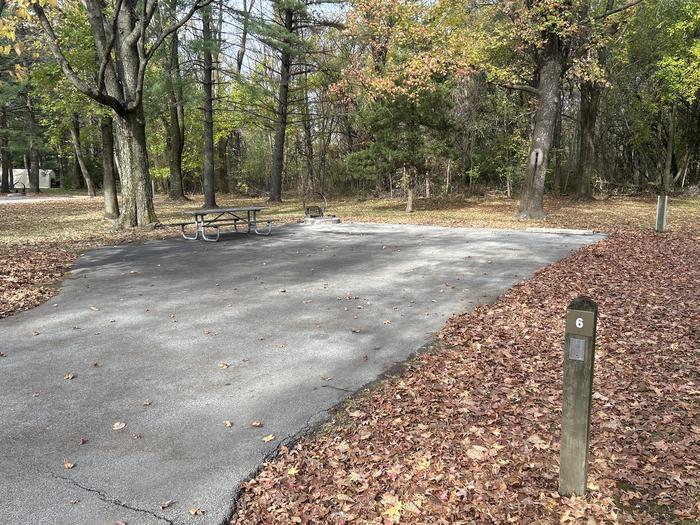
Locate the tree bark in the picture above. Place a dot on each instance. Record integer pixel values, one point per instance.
(176, 122)
(33, 164)
(75, 139)
(308, 142)
(222, 165)
(588, 115)
(108, 169)
(557, 152)
(208, 163)
(282, 114)
(668, 167)
(5, 160)
(33, 168)
(551, 68)
(132, 156)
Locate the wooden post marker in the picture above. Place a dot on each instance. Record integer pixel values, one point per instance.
(579, 352)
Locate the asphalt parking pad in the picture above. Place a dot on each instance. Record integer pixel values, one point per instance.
(167, 372)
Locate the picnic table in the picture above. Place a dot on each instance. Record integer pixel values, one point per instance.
(215, 218)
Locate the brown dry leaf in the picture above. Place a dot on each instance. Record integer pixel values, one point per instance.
(147, 403)
(196, 511)
(69, 376)
(223, 365)
(118, 425)
(74, 501)
(327, 378)
(228, 424)
(67, 464)
(256, 424)
(166, 504)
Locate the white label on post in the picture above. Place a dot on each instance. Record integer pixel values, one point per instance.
(577, 348)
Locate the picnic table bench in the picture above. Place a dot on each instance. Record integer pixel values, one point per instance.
(216, 218)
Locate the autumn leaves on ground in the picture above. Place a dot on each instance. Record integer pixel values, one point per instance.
(469, 433)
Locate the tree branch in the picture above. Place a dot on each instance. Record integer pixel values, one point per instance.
(623, 7)
(90, 91)
(108, 51)
(522, 87)
(198, 4)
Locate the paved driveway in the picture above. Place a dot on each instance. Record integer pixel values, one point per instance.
(173, 338)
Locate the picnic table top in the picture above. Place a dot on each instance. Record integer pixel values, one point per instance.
(208, 211)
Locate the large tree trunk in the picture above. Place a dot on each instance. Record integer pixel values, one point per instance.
(588, 115)
(282, 114)
(75, 139)
(668, 167)
(551, 68)
(108, 169)
(5, 160)
(130, 140)
(208, 166)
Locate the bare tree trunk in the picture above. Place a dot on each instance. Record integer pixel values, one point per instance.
(668, 168)
(408, 185)
(33, 164)
(208, 166)
(308, 142)
(176, 122)
(222, 165)
(557, 152)
(551, 67)
(75, 139)
(132, 155)
(447, 178)
(108, 169)
(282, 113)
(33, 168)
(588, 115)
(5, 160)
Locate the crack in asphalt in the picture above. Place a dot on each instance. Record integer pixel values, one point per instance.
(114, 501)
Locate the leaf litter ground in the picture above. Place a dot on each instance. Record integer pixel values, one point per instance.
(470, 433)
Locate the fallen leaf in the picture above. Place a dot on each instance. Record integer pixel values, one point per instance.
(147, 403)
(70, 376)
(476, 452)
(268, 438)
(228, 424)
(196, 511)
(256, 424)
(166, 504)
(224, 365)
(67, 464)
(118, 425)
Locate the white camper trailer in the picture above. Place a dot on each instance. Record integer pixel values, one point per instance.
(47, 179)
